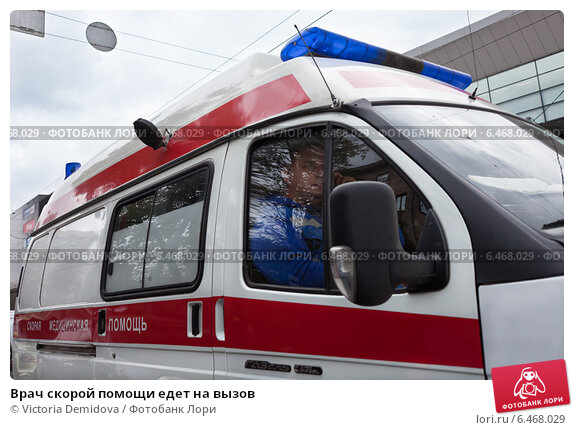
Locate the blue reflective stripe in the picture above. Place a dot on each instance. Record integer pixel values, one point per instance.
(328, 44)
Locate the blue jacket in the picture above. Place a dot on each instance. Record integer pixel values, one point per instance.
(286, 242)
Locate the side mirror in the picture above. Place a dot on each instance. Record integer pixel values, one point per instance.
(148, 133)
(366, 257)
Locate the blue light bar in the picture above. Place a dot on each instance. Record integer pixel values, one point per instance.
(71, 168)
(323, 43)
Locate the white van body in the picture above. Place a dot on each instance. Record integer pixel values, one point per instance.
(66, 328)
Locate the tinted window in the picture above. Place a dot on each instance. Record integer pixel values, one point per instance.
(286, 211)
(286, 203)
(127, 249)
(74, 263)
(175, 228)
(354, 160)
(156, 239)
(513, 162)
(32, 276)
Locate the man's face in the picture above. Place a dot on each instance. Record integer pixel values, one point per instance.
(306, 178)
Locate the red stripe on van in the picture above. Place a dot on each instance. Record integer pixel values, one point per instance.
(61, 325)
(165, 322)
(260, 103)
(291, 328)
(295, 328)
(160, 323)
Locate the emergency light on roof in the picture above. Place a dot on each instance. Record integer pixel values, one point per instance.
(324, 43)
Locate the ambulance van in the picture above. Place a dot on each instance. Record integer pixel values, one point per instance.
(351, 214)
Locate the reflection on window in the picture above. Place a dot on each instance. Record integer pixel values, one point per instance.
(523, 174)
(156, 238)
(383, 178)
(354, 160)
(125, 265)
(175, 226)
(32, 276)
(286, 208)
(73, 279)
(285, 211)
(423, 208)
(401, 203)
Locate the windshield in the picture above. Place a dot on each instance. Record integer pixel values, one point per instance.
(515, 163)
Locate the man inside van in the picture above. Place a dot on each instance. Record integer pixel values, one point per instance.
(286, 239)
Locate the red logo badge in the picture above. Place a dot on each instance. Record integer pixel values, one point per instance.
(529, 386)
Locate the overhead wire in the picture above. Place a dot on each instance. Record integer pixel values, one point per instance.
(204, 77)
(238, 53)
(295, 34)
(134, 52)
(211, 71)
(149, 39)
(195, 83)
(131, 52)
(223, 64)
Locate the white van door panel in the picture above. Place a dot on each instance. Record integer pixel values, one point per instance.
(172, 342)
(282, 334)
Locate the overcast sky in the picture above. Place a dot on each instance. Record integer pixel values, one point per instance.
(56, 81)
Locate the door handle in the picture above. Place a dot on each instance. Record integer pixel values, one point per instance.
(195, 308)
(101, 322)
(194, 319)
(219, 321)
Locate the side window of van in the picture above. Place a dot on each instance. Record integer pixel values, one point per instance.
(74, 263)
(285, 237)
(156, 239)
(33, 272)
(286, 203)
(354, 160)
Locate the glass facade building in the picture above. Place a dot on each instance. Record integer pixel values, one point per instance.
(533, 90)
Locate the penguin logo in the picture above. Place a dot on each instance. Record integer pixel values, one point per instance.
(529, 384)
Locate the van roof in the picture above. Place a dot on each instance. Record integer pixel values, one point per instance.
(255, 90)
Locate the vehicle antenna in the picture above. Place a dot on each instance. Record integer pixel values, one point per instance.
(473, 95)
(335, 102)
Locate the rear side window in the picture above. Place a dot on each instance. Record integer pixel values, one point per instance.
(32, 276)
(74, 261)
(157, 239)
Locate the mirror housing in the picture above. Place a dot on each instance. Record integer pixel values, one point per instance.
(367, 259)
(148, 133)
